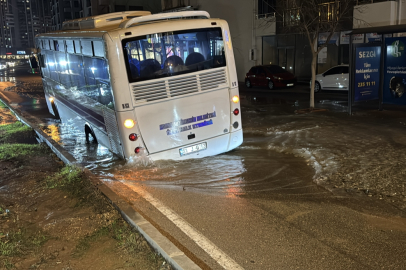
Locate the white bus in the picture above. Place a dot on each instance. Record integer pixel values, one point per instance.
(164, 85)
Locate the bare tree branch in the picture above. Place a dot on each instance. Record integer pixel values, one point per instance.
(312, 17)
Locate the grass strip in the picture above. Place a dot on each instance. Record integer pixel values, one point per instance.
(9, 131)
(9, 151)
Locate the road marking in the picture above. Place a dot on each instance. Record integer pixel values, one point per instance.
(217, 254)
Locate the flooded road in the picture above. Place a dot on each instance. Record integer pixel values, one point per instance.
(257, 207)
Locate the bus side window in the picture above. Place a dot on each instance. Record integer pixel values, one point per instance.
(87, 47)
(78, 48)
(98, 48)
(69, 46)
(53, 73)
(43, 63)
(77, 74)
(98, 81)
(63, 69)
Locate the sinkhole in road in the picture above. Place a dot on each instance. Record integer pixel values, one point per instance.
(253, 168)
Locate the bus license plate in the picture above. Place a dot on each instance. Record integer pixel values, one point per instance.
(193, 149)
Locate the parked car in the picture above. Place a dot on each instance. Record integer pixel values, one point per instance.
(336, 78)
(271, 76)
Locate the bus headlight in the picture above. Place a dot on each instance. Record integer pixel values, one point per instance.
(129, 123)
(51, 99)
(236, 99)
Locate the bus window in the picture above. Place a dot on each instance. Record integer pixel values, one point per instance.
(76, 43)
(98, 81)
(44, 65)
(76, 71)
(51, 63)
(63, 69)
(69, 46)
(98, 47)
(167, 54)
(87, 47)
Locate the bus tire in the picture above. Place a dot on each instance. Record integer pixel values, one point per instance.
(56, 113)
(89, 131)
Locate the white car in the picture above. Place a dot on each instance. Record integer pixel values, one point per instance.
(336, 78)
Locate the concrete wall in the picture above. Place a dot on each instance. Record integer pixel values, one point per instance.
(377, 14)
(246, 31)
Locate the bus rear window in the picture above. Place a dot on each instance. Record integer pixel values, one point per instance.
(172, 53)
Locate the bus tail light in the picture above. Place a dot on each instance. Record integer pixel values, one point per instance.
(129, 123)
(236, 111)
(133, 137)
(137, 150)
(236, 99)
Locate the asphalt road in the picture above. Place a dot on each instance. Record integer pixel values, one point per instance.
(255, 208)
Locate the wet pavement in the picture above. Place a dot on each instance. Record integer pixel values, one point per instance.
(304, 191)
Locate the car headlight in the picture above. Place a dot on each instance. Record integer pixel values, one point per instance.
(277, 78)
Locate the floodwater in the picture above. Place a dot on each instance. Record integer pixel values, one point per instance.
(253, 168)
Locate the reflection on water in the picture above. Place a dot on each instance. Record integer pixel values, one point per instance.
(252, 169)
(53, 132)
(248, 170)
(91, 155)
(213, 174)
(7, 78)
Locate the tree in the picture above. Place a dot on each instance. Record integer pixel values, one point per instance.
(312, 17)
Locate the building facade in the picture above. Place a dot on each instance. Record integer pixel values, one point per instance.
(63, 10)
(262, 34)
(248, 21)
(20, 21)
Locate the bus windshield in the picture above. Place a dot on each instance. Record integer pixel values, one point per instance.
(172, 53)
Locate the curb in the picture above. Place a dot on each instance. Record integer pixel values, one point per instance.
(174, 256)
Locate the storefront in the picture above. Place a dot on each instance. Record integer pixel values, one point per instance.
(292, 52)
(14, 54)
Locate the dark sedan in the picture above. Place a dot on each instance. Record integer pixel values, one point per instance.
(271, 76)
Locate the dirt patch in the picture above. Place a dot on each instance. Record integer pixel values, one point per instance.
(51, 217)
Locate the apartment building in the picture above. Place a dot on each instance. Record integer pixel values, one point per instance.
(63, 10)
(20, 21)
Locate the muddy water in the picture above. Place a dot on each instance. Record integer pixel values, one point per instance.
(252, 168)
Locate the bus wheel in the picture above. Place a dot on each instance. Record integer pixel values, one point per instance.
(56, 113)
(88, 131)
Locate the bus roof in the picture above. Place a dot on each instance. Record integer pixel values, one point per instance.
(101, 21)
(122, 25)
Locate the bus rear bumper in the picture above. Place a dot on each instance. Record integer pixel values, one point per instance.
(215, 146)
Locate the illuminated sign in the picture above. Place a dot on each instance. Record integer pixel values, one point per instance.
(367, 71)
(9, 53)
(20, 52)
